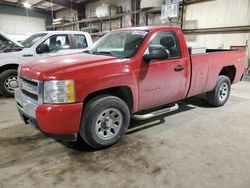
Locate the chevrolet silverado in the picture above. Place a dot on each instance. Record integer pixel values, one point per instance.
(94, 94)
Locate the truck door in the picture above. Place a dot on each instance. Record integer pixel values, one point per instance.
(166, 80)
(59, 43)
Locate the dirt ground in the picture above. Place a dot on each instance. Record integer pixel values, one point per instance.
(197, 146)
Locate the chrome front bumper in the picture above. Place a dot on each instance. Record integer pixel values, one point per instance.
(25, 104)
(27, 109)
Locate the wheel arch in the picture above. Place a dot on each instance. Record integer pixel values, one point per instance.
(229, 71)
(8, 66)
(123, 92)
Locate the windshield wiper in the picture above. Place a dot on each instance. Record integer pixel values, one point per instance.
(98, 53)
(12, 49)
(103, 53)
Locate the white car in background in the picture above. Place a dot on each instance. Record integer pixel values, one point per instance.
(42, 44)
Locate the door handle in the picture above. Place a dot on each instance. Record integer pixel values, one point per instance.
(27, 55)
(179, 68)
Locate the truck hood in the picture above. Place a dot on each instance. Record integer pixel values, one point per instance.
(7, 43)
(47, 68)
(5, 37)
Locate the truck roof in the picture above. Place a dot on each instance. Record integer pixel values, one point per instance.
(63, 32)
(149, 28)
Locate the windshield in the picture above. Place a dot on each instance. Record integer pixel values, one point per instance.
(32, 40)
(122, 44)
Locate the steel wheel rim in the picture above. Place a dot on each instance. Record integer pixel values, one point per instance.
(10, 83)
(223, 91)
(108, 123)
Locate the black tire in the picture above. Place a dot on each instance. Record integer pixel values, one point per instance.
(219, 96)
(101, 107)
(4, 76)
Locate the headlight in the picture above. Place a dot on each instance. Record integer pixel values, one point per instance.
(59, 91)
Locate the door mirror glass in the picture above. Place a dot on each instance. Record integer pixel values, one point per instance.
(155, 53)
(42, 48)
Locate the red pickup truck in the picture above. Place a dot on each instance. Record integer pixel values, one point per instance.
(94, 94)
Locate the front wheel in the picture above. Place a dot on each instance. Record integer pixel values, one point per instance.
(105, 120)
(219, 96)
(8, 82)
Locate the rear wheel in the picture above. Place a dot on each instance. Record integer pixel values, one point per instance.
(8, 82)
(105, 120)
(219, 96)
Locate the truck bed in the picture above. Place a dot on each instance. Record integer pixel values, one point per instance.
(207, 66)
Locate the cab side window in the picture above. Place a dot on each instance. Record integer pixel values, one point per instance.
(57, 42)
(81, 41)
(169, 41)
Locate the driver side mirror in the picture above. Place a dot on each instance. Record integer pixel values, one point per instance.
(156, 53)
(42, 48)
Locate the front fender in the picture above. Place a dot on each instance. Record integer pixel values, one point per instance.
(125, 77)
(97, 78)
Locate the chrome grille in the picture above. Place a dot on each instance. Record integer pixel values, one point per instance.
(25, 103)
(31, 88)
(29, 85)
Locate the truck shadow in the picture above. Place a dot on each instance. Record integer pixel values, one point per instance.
(184, 105)
(198, 101)
(140, 125)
